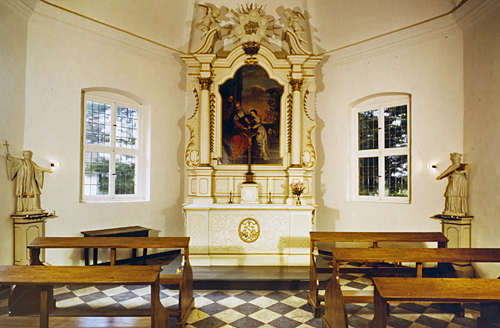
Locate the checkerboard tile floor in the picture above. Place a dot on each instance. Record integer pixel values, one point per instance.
(256, 308)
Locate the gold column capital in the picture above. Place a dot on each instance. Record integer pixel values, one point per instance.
(296, 84)
(205, 82)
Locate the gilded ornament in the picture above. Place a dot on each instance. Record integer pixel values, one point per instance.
(205, 82)
(249, 230)
(296, 84)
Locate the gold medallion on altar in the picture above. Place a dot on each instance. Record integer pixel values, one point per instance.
(249, 230)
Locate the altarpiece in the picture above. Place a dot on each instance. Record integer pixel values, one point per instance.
(250, 135)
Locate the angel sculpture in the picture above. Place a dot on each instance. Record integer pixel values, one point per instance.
(293, 18)
(209, 18)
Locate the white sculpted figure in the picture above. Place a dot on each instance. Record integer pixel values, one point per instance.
(456, 191)
(209, 19)
(293, 18)
(29, 182)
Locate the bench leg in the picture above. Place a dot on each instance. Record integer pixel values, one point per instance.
(44, 306)
(86, 255)
(95, 256)
(134, 255)
(144, 256)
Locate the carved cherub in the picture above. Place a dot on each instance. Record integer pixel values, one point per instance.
(293, 18)
(209, 19)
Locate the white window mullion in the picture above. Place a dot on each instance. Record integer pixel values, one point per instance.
(112, 164)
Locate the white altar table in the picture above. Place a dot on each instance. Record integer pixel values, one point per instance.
(249, 234)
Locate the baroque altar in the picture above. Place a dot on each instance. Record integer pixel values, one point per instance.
(250, 122)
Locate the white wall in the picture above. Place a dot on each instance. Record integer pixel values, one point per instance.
(13, 35)
(482, 124)
(67, 54)
(425, 64)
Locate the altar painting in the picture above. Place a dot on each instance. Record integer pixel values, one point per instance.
(251, 106)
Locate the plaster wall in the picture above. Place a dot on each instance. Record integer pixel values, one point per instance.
(429, 67)
(67, 54)
(13, 35)
(482, 123)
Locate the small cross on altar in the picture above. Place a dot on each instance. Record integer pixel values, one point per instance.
(249, 175)
(249, 191)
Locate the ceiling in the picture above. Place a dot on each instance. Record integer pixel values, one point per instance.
(331, 24)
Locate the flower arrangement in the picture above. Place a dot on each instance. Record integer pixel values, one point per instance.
(297, 188)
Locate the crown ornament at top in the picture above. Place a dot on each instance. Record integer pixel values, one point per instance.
(251, 27)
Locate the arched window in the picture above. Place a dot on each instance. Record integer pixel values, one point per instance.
(381, 148)
(113, 147)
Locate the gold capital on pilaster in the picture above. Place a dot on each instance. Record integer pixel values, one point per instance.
(296, 84)
(205, 82)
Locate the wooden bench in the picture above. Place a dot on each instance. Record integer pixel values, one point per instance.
(334, 297)
(436, 290)
(45, 277)
(183, 278)
(134, 231)
(373, 238)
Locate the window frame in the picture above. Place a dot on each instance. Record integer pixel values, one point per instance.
(114, 100)
(380, 103)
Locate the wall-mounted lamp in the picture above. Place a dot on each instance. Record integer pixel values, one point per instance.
(54, 165)
(431, 166)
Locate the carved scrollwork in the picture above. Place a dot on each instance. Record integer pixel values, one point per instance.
(192, 152)
(192, 156)
(309, 153)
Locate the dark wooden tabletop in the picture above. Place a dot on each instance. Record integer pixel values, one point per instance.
(113, 231)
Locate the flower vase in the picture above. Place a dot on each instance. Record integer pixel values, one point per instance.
(298, 202)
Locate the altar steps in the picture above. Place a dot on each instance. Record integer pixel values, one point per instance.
(251, 277)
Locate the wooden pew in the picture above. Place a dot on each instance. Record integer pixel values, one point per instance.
(374, 238)
(184, 278)
(45, 277)
(435, 290)
(443, 256)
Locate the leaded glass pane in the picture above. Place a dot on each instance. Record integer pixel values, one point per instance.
(368, 130)
(96, 179)
(98, 124)
(396, 127)
(396, 176)
(125, 178)
(368, 176)
(126, 127)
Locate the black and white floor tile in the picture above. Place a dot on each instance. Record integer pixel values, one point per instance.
(256, 308)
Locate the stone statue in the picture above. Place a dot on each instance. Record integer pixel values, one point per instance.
(29, 182)
(209, 19)
(456, 191)
(293, 18)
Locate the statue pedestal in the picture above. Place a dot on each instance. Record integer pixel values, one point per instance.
(458, 231)
(26, 228)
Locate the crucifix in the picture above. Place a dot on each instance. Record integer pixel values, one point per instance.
(249, 175)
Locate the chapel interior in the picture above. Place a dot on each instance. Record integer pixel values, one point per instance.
(440, 56)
